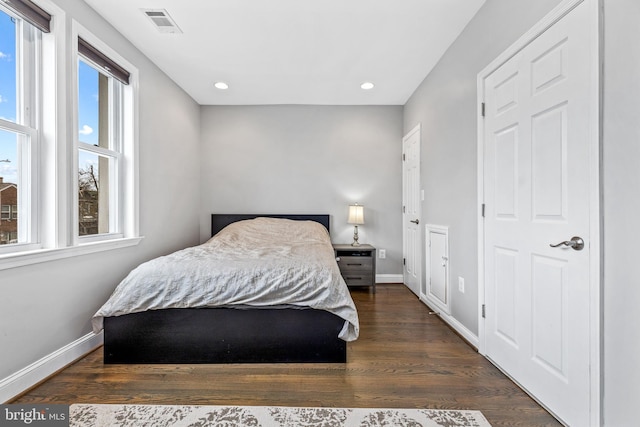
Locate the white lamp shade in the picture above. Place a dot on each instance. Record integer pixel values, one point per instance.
(356, 214)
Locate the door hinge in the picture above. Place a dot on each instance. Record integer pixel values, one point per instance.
(404, 157)
(482, 109)
(404, 261)
(483, 210)
(404, 209)
(483, 311)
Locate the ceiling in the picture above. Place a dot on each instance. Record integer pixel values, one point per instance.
(295, 51)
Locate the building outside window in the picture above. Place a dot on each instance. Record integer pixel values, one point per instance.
(8, 212)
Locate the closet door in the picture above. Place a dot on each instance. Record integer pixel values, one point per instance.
(537, 189)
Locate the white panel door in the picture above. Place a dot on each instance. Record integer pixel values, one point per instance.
(536, 188)
(411, 207)
(438, 291)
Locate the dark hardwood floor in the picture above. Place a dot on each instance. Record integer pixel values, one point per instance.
(404, 358)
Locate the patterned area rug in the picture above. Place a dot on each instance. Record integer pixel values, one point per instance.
(267, 416)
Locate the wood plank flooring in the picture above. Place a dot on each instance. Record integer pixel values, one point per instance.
(404, 358)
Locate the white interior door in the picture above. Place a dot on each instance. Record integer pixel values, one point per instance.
(412, 246)
(537, 193)
(437, 284)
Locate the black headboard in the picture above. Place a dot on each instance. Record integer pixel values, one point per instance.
(220, 221)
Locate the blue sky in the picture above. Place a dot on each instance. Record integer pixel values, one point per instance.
(88, 101)
(88, 112)
(7, 95)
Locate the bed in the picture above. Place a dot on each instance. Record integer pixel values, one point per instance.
(275, 310)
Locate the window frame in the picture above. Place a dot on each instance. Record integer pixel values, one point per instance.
(123, 137)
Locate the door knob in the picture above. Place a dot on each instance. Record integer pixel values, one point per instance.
(415, 221)
(576, 243)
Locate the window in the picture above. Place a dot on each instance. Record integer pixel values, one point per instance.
(102, 143)
(9, 212)
(19, 106)
(63, 194)
(98, 150)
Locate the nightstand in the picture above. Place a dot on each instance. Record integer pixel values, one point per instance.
(357, 264)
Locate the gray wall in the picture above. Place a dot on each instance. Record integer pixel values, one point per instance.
(446, 106)
(49, 305)
(621, 179)
(307, 159)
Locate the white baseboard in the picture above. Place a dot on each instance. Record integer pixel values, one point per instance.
(457, 326)
(389, 278)
(19, 382)
(460, 328)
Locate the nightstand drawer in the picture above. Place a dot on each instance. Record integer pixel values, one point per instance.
(352, 264)
(365, 279)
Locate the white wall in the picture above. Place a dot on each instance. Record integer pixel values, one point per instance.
(46, 306)
(307, 159)
(621, 179)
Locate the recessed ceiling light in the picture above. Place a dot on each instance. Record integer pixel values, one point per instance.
(367, 85)
(221, 85)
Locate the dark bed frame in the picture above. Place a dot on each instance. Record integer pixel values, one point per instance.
(227, 335)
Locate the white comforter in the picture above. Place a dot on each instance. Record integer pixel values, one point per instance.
(262, 262)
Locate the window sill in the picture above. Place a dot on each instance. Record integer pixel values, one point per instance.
(20, 259)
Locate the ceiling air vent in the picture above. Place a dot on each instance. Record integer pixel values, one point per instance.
(162, 21)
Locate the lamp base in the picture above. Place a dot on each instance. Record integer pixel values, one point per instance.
(355, 236)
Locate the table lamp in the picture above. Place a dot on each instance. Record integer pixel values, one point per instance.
(356, 217)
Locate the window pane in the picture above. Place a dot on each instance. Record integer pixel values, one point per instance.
(8, 186)
(8, 156)
(8, 87)
(93, 193)
(93, 105)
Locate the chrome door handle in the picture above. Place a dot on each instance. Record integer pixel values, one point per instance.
(576, 243)
(415, 221)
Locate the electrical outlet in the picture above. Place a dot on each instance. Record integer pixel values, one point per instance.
(382, 253)
(461, 284)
